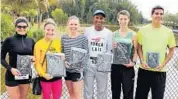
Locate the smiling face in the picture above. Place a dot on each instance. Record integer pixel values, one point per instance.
(21, 28)
(98, 20)
(157, 16)
(73, 25)
(123, 20)
(50, 31)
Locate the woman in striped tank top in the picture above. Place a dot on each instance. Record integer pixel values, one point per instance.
(74, 77)
(125, 54)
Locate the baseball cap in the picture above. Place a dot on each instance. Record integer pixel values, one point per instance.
(99, 12)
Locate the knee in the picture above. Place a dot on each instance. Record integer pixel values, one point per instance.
(15, 96)
(72, 96)
(23, 97)
(78, 95)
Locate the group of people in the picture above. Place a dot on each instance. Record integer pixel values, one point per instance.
(152, 38)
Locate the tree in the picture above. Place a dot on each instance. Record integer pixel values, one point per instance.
(85, 8)
(59, 16)
(32, 14)
(170, 19)
(7, 26)
(18, 6)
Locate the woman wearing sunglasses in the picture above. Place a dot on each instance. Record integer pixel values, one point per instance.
(19, 44)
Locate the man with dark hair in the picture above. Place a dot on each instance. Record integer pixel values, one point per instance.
(156, 8)
(153, 40)
(99, 41)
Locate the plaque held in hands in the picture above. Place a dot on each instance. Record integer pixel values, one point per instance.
(152, 59)
(56, 64)
(24, 66)
(104, 62)
(121, 53)
(78, 58)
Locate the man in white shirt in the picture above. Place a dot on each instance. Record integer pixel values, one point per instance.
(99, 41)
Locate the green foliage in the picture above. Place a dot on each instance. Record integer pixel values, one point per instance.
(32, 14)
(81, 8)
(18, 6)
(52, 2)
(6, 9)
(43, 5)
(59, 16)
(170, 19)
(7, 26)
(85, 8)
(36, 34)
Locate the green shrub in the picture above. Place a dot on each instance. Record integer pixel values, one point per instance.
(7, 26)
(38, 34)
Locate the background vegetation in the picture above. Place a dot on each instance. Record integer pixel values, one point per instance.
(38, 10)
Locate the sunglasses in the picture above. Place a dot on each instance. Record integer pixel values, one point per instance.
(24, 27)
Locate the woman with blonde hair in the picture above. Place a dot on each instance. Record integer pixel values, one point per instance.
(74, 78)
(48, 43)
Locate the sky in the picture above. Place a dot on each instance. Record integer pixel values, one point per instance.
(145, 6)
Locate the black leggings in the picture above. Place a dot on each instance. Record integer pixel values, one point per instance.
(121, 75)
(150, 80)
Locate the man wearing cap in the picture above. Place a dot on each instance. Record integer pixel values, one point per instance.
(153, 41)
(99, 41)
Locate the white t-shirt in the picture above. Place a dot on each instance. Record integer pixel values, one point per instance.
(98, 41)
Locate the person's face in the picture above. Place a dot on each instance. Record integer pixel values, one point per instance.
(123, 20)
(73, 25)
(157, 16)
(21, 28)
(50, 31)
(98, 20)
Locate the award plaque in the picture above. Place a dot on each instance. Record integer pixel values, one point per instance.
(78, 58)
(104, 62)
(152, 59)
(122, 53)
(24, 66)
(56, 64)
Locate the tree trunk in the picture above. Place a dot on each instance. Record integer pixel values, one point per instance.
(39, 18)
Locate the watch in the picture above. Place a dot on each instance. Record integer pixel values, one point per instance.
(134, 62)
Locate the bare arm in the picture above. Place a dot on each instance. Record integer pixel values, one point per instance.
(140, 52)
(134, 41)
(142, 60)
(169, 56)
